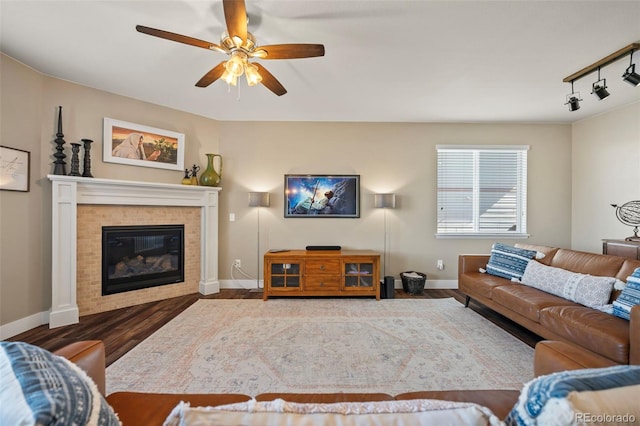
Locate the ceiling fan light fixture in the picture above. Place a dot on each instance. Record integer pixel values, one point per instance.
(235, 64)
(231, 79)
(252, 74)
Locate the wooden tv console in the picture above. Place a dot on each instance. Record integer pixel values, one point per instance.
(322, 273)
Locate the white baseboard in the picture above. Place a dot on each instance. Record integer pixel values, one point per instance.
(441, 284)
(241, 284)
(24, 324)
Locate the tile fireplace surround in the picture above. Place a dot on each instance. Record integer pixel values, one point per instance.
(68, 192)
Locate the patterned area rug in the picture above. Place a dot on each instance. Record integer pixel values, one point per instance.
(324, 345)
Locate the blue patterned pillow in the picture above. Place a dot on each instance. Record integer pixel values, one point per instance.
(38, 387)
(629, 297)
(542, 397)
(509, 262)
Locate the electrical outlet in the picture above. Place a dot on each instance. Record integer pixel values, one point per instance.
(237, 263)
(440, 264)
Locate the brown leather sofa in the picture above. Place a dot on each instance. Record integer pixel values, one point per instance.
(134, 408)
(582, 337)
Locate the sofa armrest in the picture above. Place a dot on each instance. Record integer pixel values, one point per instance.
(89, 355)
(634, 336)
(472, 262)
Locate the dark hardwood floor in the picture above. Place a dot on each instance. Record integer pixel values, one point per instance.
(123, 329)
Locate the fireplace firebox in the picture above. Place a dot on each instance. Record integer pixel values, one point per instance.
(137, 257)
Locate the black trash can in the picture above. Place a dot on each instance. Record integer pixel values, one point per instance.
(389, 284)
(413, 282)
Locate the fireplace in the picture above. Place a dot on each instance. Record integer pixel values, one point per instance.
(137, 257)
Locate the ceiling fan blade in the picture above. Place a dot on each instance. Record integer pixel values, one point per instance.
(215, 73)
(235, 15)
(289, 51)
(179, 38)
(270, 82)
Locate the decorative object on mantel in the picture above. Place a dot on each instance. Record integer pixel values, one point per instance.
(194, 174)
(86, 170)
(75, 160)
(186, 180)
(629, 214)
(211, 177)
(59, 166)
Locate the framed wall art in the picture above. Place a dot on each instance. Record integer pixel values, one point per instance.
(138, 145)
(322, 196)
(15, 169)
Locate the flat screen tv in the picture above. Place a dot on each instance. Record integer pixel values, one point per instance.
(315, 196)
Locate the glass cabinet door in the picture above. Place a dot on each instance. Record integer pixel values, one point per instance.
(285, 275)
(358, 274)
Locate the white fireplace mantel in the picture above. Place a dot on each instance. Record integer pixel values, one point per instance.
(69, 191)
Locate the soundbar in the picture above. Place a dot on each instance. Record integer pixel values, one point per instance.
(324, 248)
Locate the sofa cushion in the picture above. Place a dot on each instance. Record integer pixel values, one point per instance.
(38, 387)
(280, 412)
(629, 297)
(597, 331)
(509, 262)
(587, 290)
(526, 301)
(554, 399)
(478, 284)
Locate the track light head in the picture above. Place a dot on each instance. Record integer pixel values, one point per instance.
(599, 88)
(630, 75)
(574, 103)
(573, 100)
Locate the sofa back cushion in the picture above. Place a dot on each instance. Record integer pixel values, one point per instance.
(587, 263)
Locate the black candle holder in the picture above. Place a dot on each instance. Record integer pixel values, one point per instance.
(59, 166)
(75, 161)
(86, 171)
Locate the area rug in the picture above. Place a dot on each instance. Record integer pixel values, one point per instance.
(324, 345)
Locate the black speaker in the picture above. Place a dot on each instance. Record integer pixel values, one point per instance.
(389, 283)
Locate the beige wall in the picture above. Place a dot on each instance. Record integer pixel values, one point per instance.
(398, 158)
(606, 170)
(29, 121)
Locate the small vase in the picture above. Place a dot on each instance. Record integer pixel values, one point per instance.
(186, 180)
(211, 177)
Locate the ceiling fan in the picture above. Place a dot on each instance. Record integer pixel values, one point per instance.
(241, 46)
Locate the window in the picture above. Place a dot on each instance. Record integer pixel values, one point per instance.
(482, 191)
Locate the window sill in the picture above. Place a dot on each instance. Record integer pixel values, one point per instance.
(481, 236)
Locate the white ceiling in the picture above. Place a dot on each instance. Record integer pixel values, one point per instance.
(386, 60)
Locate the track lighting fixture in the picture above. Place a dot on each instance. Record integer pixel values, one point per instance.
(599, 88)
(630, 75)
(573, 100)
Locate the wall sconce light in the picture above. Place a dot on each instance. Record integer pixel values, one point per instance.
(573, 100)
(384, 201)
(599, 88)
(259, 200)
(630, 75)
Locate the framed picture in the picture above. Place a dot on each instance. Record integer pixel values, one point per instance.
(15, 168)
(138, 145)
(322, 196)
